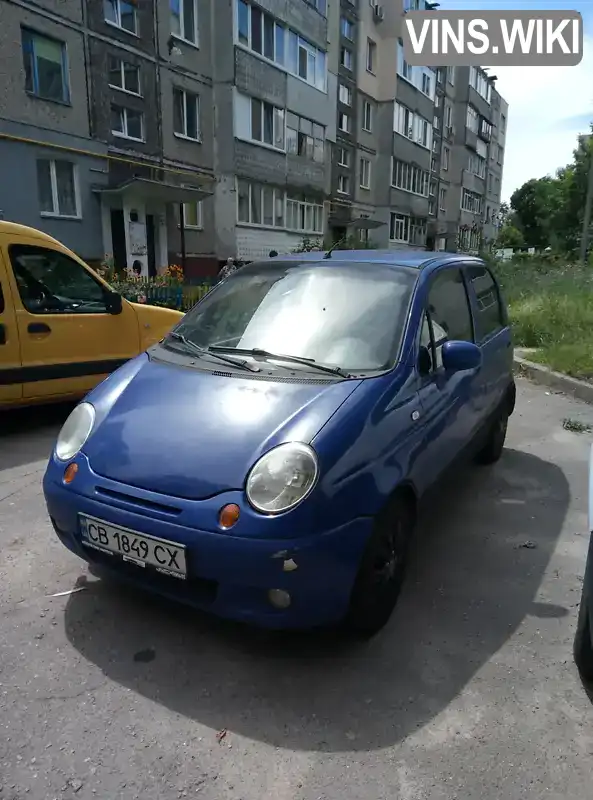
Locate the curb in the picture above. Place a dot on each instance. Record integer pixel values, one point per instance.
(554, 380)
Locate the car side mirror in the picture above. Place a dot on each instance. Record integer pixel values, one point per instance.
(113, 303)
(458, 356)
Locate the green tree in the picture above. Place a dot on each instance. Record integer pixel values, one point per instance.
(510, 236)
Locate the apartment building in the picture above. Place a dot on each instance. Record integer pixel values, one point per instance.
(471, 159)
(159, 132)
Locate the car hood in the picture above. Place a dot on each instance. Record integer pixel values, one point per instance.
(193, 434)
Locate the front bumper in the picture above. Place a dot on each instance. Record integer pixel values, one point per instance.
(229, 576)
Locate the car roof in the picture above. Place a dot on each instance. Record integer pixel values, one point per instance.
(416, 259)
(14, 229)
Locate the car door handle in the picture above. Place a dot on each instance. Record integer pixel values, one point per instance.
(38, 327)
(2, 334)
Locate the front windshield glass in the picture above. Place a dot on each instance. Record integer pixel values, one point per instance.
(348, 315)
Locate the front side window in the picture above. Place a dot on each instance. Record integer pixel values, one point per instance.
(184, 19)
(46, 73)
(122, 14)
(448, 310)
(338, 315)
(57, 188)
(186, 114)
(489, 316)
(50, 282)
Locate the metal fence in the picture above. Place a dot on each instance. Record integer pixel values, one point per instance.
(174, 296)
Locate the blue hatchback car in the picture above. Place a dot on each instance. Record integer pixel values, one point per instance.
(265, 461)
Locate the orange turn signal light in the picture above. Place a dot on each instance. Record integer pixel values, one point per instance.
(228, 515)
(70, 473)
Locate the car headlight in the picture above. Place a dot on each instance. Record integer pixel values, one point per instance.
(75, 431)
(282, 478)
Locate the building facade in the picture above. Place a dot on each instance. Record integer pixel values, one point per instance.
(187, 131)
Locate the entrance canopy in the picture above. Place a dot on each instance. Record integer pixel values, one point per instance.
(158, 191)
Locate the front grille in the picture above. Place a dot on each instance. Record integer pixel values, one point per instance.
(136, 501)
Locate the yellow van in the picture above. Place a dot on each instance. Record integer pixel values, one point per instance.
(62, 328)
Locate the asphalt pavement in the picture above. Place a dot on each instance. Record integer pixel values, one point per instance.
(470, 692)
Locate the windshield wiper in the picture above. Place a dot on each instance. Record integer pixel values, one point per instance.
(206, 351)
(308, 362)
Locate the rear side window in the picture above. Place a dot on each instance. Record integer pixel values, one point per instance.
(490, 316)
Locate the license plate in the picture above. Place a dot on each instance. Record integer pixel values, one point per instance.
(137, 548)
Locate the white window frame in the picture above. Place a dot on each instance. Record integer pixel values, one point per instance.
(124, 134)
(275, 110)
(443, 198)
(118, 24)
(472, 202)
(122, 88)
(347, 25)
(350, 60)
(401, 221)
(181, 36)
(54, 191)
(348, 119)
(371, 56)
(367, 111)
(200, 216)
(365, 173)
(343, 151)
(346, 91)
(412, 126)
(446, 158)
(344, 180)
(278, 200)
(409, 178)
(185, 94)
(305, 208)
(472, 119)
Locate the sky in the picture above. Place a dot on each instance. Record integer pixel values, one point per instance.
(549, 106)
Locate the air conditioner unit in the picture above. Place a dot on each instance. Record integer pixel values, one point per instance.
(379, 13)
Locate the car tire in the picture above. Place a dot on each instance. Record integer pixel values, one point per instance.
(582, 648)
(492, 449)
(382, 570)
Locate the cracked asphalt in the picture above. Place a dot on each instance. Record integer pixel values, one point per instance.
(470, 692)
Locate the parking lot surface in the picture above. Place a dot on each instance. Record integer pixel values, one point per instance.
(470, 692)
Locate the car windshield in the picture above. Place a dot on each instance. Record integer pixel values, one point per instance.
(348, 315)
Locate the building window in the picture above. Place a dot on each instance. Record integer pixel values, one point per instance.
(442, 198)
(343, 157)
(409, 178)
(371, 56)
(260, 205)
(426, 84)
(320, 5)
(305, 138)
(433, 164)
(431, 208)
(399, 228)
(365, 173)
(413, 126)
(267, 123)
(258, 30)
(343, 184)
(477, 165)
(499, 154)
(127, 123)
(46, 71)
(404, 70)
(436, 123)
(437, 101)
(345, 95)
(344, 122)
(186, 114)
(470, 201)
(448, 116)
(304, 215)
(184, 19)
(124, 76)
(367, 116)
(451, 75)
(347, 28)
(472, 120)
(446, 156)
(503, 123)
(122, 14)
(192, 215)
(58, 189)
(346, 57)
(480, 82)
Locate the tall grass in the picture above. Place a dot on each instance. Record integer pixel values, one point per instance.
(551, 308)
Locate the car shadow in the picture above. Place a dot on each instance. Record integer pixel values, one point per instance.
(483, 545)
(28, 434)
